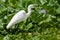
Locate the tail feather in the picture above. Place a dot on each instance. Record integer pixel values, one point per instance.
(10, 24)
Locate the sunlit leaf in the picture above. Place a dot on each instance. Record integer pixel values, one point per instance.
(28, 26)
(43, 1)
(58, 10)
(58, 19)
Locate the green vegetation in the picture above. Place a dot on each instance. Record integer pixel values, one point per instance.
(37, 27)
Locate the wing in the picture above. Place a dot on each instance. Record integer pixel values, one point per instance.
(17, 18)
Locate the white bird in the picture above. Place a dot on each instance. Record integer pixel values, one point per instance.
(20, 16)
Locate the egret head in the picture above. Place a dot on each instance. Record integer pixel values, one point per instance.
(31, 7)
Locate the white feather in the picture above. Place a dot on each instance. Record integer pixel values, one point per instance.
(20, 16)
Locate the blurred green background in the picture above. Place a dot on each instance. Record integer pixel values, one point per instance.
(37, 27)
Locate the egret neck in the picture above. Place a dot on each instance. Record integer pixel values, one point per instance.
(29, 12)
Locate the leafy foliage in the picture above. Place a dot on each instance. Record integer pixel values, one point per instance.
(38, 26)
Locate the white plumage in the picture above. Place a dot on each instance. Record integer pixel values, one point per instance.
(20, 16)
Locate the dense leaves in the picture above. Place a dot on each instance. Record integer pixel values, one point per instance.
(38, 26)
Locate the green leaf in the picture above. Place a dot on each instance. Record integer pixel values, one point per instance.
(28, 26)
(58, 19)
(1, 37)
(6, 37)
(21, 26)
(41, 22)
(58, 10)
(1, 24)
(48, 19)
(43, 1)
(52, 3)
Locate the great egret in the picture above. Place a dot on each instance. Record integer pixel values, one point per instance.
(20, 16)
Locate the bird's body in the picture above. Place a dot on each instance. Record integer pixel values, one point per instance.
(20, 16)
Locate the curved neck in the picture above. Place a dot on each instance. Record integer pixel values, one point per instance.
(29, 12)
